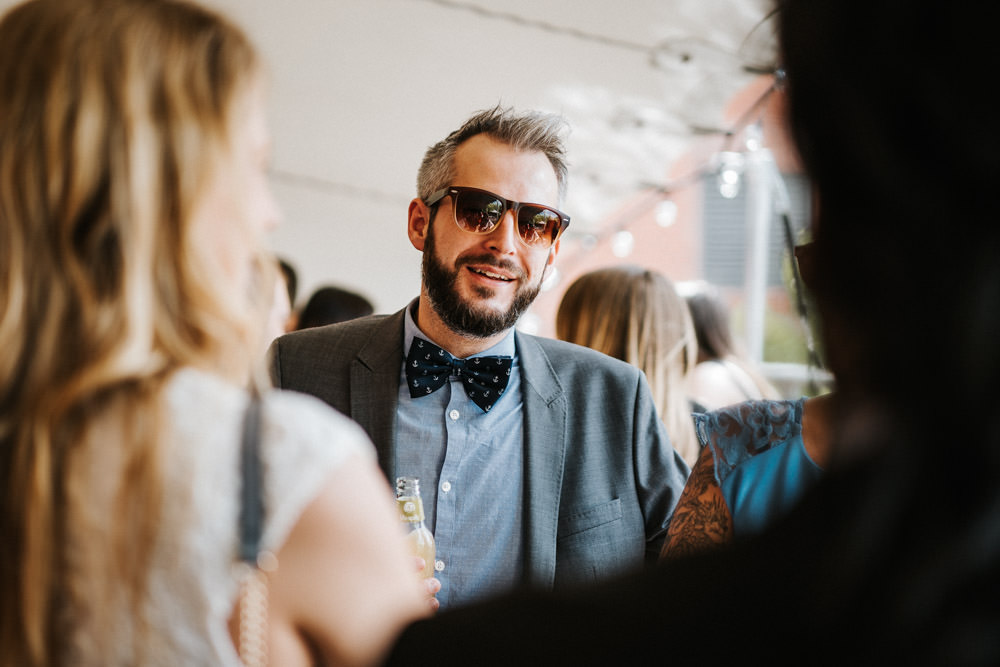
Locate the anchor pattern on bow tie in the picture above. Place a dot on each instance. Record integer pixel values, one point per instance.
(428, 368)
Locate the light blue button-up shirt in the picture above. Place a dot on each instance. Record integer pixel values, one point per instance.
(470, 466)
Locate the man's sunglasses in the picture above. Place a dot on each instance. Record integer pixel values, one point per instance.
(480, 211)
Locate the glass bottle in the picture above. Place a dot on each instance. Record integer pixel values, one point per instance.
(411, 512)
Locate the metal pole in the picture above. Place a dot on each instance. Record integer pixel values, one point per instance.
(758, 206)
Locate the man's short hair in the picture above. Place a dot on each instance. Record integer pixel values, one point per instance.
(523, 131)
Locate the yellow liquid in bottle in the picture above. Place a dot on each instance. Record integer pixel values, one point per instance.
(419, 539)
(422, 544)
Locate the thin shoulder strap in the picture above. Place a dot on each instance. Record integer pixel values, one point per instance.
(252, 491)
(252, 638)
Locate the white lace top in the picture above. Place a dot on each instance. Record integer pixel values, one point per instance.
(194, 581)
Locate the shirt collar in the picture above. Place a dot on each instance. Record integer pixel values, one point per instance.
(504, 347)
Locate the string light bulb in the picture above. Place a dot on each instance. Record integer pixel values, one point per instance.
(622, 243)
(754, 137)
(666, 213)
(730, 173)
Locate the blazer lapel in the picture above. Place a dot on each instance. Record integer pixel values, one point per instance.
(375, 387)
(545, 416)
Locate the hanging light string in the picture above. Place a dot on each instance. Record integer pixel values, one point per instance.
(651, 194)
(652, 52)
(545, 26)
(336, 187)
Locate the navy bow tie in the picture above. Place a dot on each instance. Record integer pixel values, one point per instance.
(428, 368)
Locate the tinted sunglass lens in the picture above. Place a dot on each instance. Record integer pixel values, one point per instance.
(537, 225)
(478, 212)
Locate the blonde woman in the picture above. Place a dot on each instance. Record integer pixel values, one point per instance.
(133, 200)
(635, 315)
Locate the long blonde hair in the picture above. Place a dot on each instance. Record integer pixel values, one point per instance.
(636, 315)
(112, 115)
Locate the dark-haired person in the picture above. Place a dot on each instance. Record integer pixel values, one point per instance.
(540, 462)
(722, 375)
(330, 304)
(893, 557)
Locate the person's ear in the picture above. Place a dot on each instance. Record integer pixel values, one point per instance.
(553, 251)
(418, 223)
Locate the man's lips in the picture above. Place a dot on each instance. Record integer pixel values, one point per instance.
(492, 268)
(490, 273)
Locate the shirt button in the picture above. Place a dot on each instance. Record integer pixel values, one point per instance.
(446, 487)
(454, 415)
(439, 565)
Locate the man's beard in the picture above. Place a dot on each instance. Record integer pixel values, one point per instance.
(460, 316)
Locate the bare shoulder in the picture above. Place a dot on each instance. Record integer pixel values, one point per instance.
(345, 585)
(712, 385)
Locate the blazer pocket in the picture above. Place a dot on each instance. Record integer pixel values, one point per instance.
(589, 518)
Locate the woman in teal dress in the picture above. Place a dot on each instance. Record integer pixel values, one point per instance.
(757, 459)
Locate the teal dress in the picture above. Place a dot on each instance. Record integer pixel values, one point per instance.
(761, 463)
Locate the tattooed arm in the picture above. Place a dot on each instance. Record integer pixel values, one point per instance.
(702, 519)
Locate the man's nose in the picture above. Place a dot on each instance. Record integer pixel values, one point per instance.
(504, 236)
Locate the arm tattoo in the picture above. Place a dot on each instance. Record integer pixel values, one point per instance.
(701, 519)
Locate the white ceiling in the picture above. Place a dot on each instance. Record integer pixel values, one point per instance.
(360, 88)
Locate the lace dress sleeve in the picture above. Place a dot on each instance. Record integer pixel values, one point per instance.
(743, 430)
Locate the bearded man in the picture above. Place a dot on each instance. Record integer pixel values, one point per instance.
(541, 463)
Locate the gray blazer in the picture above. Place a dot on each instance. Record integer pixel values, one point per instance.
(600, 477)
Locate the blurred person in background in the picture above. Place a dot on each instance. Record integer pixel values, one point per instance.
(723, 375)
(291, 279)
(757, 460)
(280, 314)
(636, 315)
(330, 304)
